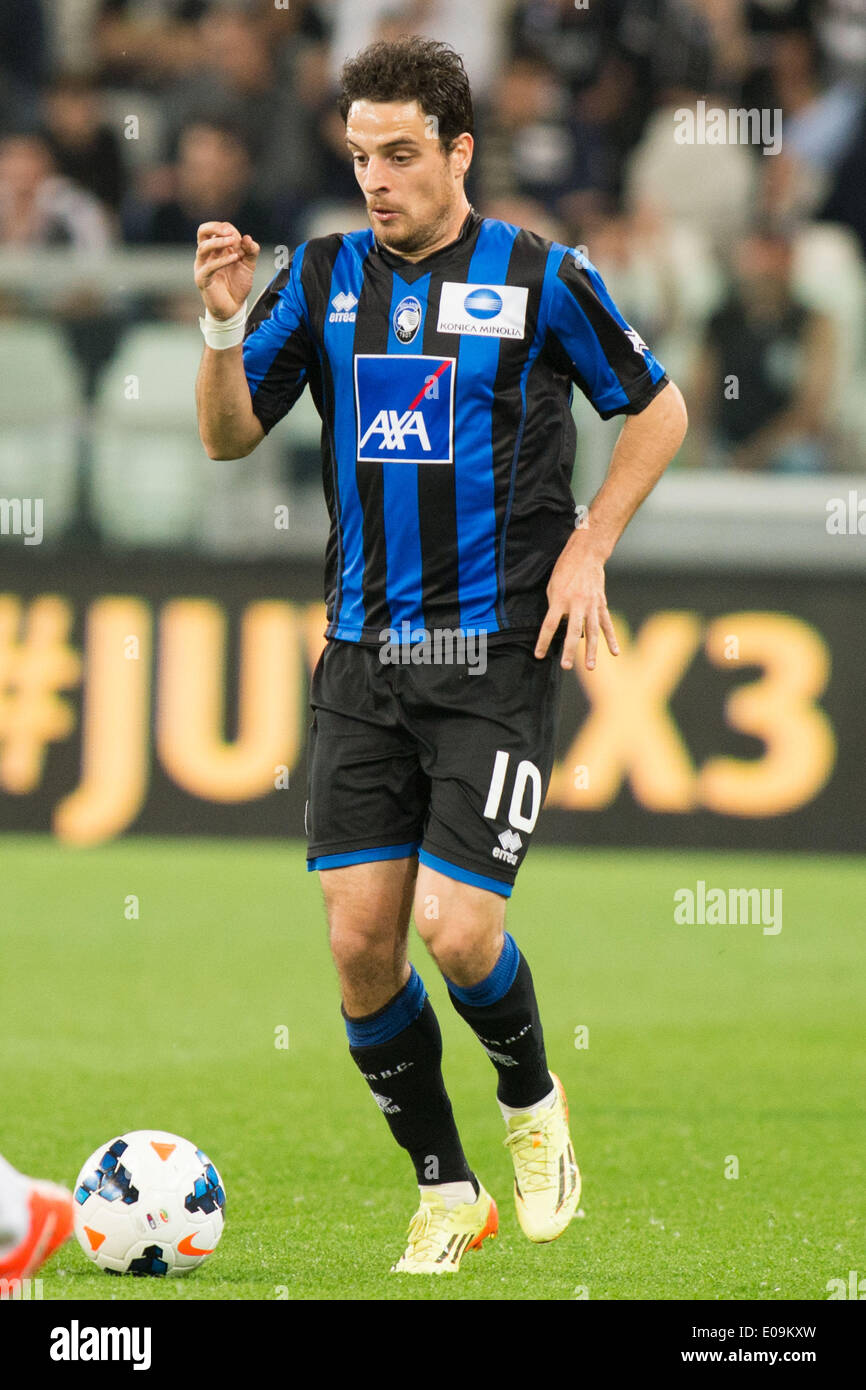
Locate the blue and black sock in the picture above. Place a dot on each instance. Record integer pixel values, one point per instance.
(398, 1051)
(503, 1014)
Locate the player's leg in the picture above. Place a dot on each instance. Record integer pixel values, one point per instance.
(14, 1208)
(35, 1218)
(368, 907)
(395, 1041)
(393, 1033)
(489, 982)
(491, 987)
(492, 742)
(367, 804)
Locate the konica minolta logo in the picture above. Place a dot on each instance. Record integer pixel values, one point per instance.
(484, 311)
(483, 304)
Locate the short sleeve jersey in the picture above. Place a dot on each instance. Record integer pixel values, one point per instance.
(448, 443)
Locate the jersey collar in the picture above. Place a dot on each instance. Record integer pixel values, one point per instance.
(413, 270)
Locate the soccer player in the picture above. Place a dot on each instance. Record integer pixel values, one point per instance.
(441, 349)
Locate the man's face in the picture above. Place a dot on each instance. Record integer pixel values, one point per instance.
(210, 164)
(411, 186)
(24, 163)
(763, 266)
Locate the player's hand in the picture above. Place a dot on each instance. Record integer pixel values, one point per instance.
(576, 592)
(224, 266)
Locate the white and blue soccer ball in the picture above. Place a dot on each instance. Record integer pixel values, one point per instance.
(149, 1203)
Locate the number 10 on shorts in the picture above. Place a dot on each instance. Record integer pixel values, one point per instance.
(526, 772)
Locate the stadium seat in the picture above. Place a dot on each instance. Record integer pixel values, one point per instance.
(153, 482)
(829, 276)
(40, 420)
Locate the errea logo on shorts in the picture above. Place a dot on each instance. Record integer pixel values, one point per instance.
(486, 311)
(510, 843)
(404, 407)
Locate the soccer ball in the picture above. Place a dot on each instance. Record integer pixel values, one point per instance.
(148, 1203)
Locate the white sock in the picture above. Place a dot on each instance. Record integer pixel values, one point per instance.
(546, 1104)
(453, 1192)
(14, 1207)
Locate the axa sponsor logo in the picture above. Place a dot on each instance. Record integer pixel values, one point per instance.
(405, 408)
(509, 843)
(393, 430)
(343, 307)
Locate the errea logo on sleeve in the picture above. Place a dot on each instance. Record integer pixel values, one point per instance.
(486, 311)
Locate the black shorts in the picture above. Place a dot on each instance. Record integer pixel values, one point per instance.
(434, 760)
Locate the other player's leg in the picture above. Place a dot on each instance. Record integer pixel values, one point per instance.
(35, 1218)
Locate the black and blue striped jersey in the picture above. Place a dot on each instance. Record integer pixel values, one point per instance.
(448, 443)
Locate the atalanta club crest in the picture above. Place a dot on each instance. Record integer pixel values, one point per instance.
(407, 319)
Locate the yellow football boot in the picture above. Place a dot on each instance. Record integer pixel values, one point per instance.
(439, 1238)
(546, 1176)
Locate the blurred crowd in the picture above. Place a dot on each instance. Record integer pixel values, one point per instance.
(129, 122)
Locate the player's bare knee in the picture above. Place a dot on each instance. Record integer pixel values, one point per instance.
(465, 955)
(371, 969)
(461, 925)
(352, 945)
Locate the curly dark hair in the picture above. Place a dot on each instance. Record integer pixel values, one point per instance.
(412, 69)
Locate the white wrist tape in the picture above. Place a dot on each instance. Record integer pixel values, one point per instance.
(224, 333)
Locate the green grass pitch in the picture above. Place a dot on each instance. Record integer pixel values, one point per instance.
(705, 1044)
